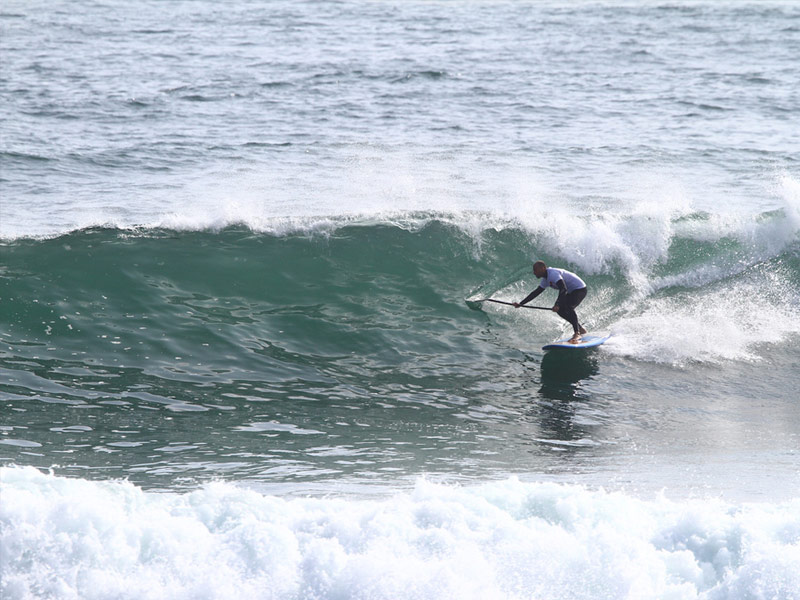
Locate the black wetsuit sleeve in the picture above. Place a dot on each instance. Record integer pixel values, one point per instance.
(562, 291)
(532, 295)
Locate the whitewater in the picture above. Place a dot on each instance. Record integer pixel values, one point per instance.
(502, 540)
(237, 248)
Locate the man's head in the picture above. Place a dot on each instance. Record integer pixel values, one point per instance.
(540, 269)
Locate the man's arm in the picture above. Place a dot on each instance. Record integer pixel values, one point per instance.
(531, 296)
(562, 291)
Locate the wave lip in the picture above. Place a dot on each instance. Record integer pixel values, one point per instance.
(72, 538)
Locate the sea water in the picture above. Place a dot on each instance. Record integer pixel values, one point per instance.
(236, 240)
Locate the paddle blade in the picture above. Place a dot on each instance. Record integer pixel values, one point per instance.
(475, 304)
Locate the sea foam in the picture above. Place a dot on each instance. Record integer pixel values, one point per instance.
(73, 538)
(719, 324)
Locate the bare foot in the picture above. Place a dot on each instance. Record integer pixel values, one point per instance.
(582, 330)
(575, 339)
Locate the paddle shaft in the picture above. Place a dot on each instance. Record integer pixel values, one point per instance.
(512, 304)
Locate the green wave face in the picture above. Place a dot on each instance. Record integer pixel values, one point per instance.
(203, 304)
(237, 300)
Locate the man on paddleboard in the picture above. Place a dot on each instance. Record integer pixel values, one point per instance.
(571, 292)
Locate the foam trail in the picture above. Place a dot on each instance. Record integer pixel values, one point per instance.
(72, 538)
(719, 323)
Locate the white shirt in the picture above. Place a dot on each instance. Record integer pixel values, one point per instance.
(572, 281)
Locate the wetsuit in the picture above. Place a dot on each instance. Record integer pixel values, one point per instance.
(571, 292)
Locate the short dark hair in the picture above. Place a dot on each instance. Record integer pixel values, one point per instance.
(539, 263)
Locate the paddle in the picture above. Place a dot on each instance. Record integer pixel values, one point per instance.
(476, 304)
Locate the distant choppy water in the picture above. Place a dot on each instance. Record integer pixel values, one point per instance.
(236, 241)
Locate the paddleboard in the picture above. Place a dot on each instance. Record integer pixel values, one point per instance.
(587, 341)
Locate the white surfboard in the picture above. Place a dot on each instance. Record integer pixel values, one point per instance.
(587, 341)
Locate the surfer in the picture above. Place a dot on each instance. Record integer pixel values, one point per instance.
(571, 292)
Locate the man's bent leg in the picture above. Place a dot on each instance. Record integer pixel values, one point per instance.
(567, 312)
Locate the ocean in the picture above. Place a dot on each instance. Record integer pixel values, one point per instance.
(237, 241)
